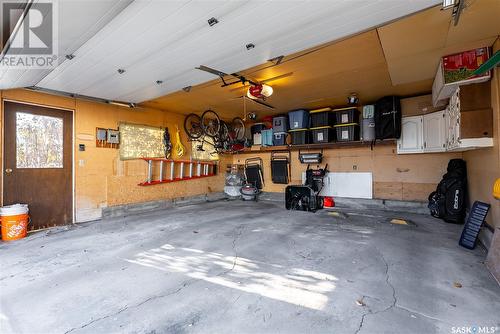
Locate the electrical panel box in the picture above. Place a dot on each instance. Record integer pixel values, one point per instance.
(113, 136)
(101, 134)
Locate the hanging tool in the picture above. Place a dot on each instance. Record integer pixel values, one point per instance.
(179, 148)
(167, 143)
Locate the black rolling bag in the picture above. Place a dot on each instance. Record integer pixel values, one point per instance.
(388, 118)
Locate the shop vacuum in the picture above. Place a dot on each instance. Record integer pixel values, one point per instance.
(306, 197)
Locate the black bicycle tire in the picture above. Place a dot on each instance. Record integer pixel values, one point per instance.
(203, 123)
(189, 134)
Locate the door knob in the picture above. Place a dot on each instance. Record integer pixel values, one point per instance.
(8, 170)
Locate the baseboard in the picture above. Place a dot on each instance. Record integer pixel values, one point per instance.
(362, 203)
(135, 208)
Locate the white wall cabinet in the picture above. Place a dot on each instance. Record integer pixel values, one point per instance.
(442, 131)
(434, 127)
(423, 134)
(411, 140)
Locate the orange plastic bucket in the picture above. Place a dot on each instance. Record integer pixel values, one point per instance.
(14, 220)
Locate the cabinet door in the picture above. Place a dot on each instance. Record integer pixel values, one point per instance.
(411, 140)
(434, 132)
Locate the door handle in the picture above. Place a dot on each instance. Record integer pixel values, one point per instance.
(8, 170)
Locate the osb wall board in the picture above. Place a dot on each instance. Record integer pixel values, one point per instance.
(414, 45)
(483, 166)
(124, 189)
(101, 178)
(403, 177)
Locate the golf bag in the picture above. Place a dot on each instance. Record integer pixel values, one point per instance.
(449, 200)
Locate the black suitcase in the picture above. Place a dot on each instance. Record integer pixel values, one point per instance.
(388, 118)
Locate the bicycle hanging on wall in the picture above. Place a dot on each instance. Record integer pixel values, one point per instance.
(225, 137)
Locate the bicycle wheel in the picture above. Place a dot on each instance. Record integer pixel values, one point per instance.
(192, 126)
(210, 123)
(239, 128)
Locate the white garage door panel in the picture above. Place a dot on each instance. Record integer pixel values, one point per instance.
(352, 185)
(79, 20)
(165, 40)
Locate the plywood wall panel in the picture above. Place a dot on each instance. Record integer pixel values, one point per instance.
(417, 191)
(483, 165)
(388, 190)
(393, 174)
(413, 46)
(99, 172)
(477, 20)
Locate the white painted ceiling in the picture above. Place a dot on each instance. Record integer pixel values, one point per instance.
(166, 40)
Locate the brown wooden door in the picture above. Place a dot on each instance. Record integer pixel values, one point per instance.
(37, 168)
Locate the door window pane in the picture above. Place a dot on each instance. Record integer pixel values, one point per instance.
(39, 141)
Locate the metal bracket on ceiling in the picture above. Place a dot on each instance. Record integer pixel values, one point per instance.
(277, 60)
(221, 75)
(457, 10)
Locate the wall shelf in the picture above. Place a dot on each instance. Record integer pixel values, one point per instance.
(336, 145)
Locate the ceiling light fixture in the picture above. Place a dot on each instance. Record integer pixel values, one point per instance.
(212, 21)
(122, 104)
(259, 91)
(353, 98)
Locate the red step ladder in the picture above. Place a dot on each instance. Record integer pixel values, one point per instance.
(195, 169)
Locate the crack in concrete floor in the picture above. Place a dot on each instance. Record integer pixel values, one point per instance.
(289, 239)
(185, 284)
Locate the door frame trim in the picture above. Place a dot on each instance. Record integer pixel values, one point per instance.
(73, 167)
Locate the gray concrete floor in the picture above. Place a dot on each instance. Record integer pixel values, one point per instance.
(245, 267)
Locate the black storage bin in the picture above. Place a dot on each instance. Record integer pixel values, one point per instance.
(346, 115)
(300, 136)
(257, 128)
(279, 138)
(280, 124)
(347, 132)
(323, 134)
(298, 119)
(321, 117)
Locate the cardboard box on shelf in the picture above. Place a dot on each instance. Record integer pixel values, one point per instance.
(420, 105)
